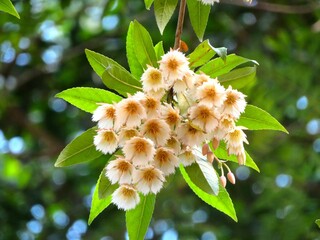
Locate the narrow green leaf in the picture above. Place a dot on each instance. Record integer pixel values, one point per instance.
(7, 6)
(238, 78)
(143, 46)
(163, 10)
(255, 118)
(135, 66)
(99, 204)
(218, 66)
(86, 98)
(148, 3)
(158, 48)
(221, 153)
(199, 15)
(80, 150)
(121, 81)
(138, 219)
(221, 202)
(202, 54)
(318, 222)
(105, 187)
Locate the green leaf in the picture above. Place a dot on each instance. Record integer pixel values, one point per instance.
(318, 222)
(199, 15)
(80, 150)
(222, 201)
(158, 48)
(238, 78)
(138, 219)
(105, 187)
(163, 10)
(143, 46)
(121, 81)
(148, 3)
(86, 98)
(99, 204)
(221, 153)
(7, 6)
(255, 118)
(218, 66)
(135, 66)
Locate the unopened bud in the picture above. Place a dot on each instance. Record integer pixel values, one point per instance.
(205, 149)
(215, 143)
(231, 178)
(210, 157)
(241, 158)
(223, 181)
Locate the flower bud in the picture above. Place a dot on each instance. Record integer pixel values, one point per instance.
(210, 157)
(205, 149)
(231, 178)
(223, 181)
(215, 143)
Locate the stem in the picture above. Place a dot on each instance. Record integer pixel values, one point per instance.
(182, 11)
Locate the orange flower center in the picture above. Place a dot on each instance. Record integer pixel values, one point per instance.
(123, 166)
(162, 156)
(132, 107)
(173, 64)
(110, 112)
(231, 99)
(149, 175)
(153, 128)
(108, 136)
(140, 146)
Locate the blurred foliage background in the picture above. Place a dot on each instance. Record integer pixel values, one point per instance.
(43, 53)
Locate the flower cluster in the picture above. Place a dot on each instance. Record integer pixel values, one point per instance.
(159, 128)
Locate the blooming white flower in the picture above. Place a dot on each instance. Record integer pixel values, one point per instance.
(234, 103)
(236, 137)
(151, 105)
(106, 141)
(174, 65)
(152, 79)
(211, 94)
(129, 112)
(186, 82)
(125, 197)
(209, 2)
(170, 115)
(190, 135)
(174, 144)
(119, 171)
(148, 180)
(165, 160)
(104, 115)
(157, 130)
(139, 150)
(204, 117)
(187, 157)
(157, 94)
(126, 134)
(201, 78)
(226, 124)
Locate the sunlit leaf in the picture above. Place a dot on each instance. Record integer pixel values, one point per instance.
(199, 15)
(105, 187)
(238, 78)
(86, 98)
(255, 118)
(148, 3)
(138, 219)
(7, 6)
(163, 10)
(318, 222)
(80, 150)
(158, 48)
(222, 201)
(201, 54)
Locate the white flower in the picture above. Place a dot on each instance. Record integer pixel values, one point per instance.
(226, 124)
(104, 115)
(106, 141)
(125, 197)
(129, 112)
(152, 80)
(174, 144)
(234, 103)
(204, 117)
(190, 135)
(187, 157)
(165, 160)
(151, 105)
(126, 134)
(157, 94)
(170, 115)
(211, 94)
(236, 137)
(200, 79)
(209, 2)
(174, 65)
(148, 180)
(119, 171)
(157, 130)
(139, 150)
(186, 82)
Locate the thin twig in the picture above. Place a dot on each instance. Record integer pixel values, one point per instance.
(182, 11)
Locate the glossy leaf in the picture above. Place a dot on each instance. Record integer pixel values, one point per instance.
(80, 150)
(86, 98)
(221, 153)
(121, 81)
(222, 201)
(318, 222)
(136, 68)
(255, 118)
(143, 46)
(202, 54)
(158, 48)
(163, 10)
(138, 219)
(218, 66)
(105, 187)
(7, 6)
(238, 78)
(148, 3)
(199, 15)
